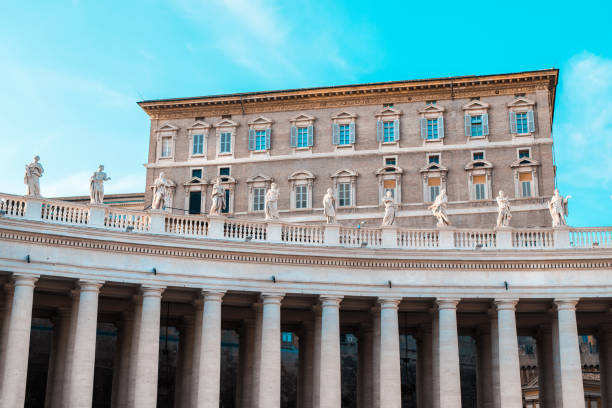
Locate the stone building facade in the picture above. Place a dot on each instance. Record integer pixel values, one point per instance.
(472, 136)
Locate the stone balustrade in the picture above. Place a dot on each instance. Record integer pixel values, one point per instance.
(227, 228)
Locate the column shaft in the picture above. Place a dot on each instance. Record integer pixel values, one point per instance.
(365, 367)
(147, 361)
(390, 369)
(424, 367)
(331, 396)
(126, 333)
(247, 363)
(197, 339)
(484, 371)
(209, 370)
(270, 374)
(450, 385)
(376, 358)
(605, 365)
(435, 359)
(187, 344)
(133, 360)
(306, 364)
(15, 370)
(495, 360)
(509, 366)
(258, 309)
(316, 364)
(9, 290)
(546, 381)
(57, 360)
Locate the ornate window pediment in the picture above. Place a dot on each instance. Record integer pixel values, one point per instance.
(521, 102)
(226, 123)
(525, 162)
(199, 125)
(344, 115)
(302, 117)
(478, 164)
(432, 110)
(434, 167)
(260, 178)
(345, 173)
(476, 105)
(168, 127)
(389, 113)
(261, 121)
(301, 175)
(195, 181)
(344, 183)
(301, 189)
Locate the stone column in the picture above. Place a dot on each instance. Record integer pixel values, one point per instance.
(209, 369)
(133, 359)
(376, 333)
(17, 349)
(9, 290)
(197, 339)
(605, 364)
(390, 370)
(270, 370)
(546, 381)
(448, 353)
(306, 364)
(57, 360)
(435, 357)
(122, 371)
(186, 343)
(247, 362)
(484, 370)
(365, 366)
(74, 314)
(424, 367)
(331, 396)
(316, 363)
(571, 392)
(494, 358)
(511, 395)
(84, 351)
(258, 309)
(147, 360)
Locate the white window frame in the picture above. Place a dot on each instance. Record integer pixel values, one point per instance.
(345, 176)
(391, 157)
(344, 118)
(431, 112)
(195, 184)
(518, 150)
(476, 107)
(222, 143)
(432, 170)
(302, 120)
(526, 165)
(479, 168)
(428, 155)
(522, 104)
(198, 128)
(473, 152)
(383, 174)
(168, 131)
(226, 126)
(301, 190)
(258, 181)
(388, 115)
(301, 178)
(260, 124)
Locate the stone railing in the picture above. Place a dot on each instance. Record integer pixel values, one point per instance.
(277, 232)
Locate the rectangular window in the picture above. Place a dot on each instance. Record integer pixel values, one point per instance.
(196, 173)
(434, 188)
(224, 171)
(430, 102)
(523, 153)
(476, 125)
(302, 137)
(387, 105)
(166, 147)
(521, 123)
(195, 202)
(260, 139)
(287, 337)
(434, 158)
(344, 194)
(432, 129)
(198, 144)
(301, 196)
(225, 209)
(225, 142)
(344, 134)
(525, 180)
(259, 194)
(389, 185)
(390, 161)
(388, 132)
(480, 191)
(478, 156)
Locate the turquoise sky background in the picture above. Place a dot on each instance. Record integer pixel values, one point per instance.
(71, 72)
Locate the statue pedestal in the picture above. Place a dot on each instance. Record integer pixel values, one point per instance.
(331, 235)
(447, 237)
(503, 237)
(562, 237)
(389, 236)
(158, 221)
(275, 229)
(97, 214)
(33, 210)
(215, 226)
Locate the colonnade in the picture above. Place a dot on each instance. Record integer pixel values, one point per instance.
(71, 375)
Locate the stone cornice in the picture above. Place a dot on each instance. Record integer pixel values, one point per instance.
(278, 254)
(340, 97)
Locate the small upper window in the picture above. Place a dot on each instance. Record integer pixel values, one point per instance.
(226, 116)
(523, 153)
(166, 148)
(198, 144)
(387, 105)
(224, 171)
(434, 158)
(430, 102)
(390, 161)
(478, 156)
(196, 173)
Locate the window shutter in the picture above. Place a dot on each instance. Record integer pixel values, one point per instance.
(423, 128)
(310, 135)
(251, 139)
(441, 127)
(268, 132)
(293, 136)
(396, 130)
(379, 131)
(467, 121)
(530, 121)
(335, 134)
(513, 122)
(485, 124)
(352, 132)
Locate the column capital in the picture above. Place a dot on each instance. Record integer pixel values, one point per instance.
(87, 285)
(152, 290)
(389, 302)
(565, 304)
(24, 280)
(212, 295)
(505, 304)
(272, 297)
(330, 300)
(447, 303)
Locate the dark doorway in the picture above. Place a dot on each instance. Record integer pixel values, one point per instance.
(227, 202)
(195, 202)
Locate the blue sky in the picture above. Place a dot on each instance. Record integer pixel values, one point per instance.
(71, 72)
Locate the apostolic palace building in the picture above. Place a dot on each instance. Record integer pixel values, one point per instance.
(335, 247)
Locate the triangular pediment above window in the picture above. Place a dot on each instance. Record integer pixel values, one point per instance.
(168, 127)
(389, 169)
(432, 109)
(195, 180)
(479, 164)
(224, 180)
(226, 123)
(525, 162)
(260, 178)
(261, 120)
(475, 104)
(345, 173)
(301, 175)
(521, 101)
(302, 117)
(199, 125)
(344, 115)
(434, 167)
(389, 112)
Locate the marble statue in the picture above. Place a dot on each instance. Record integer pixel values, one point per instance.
(33, 172)
(271, 204)
(163, 188)
(438, 209)
(218, 199)
(558, 209)
(503, 210)
(329, 206)
(96, 185)
(389, 217)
